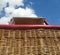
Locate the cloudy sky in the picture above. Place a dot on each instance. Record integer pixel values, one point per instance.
(49, 9)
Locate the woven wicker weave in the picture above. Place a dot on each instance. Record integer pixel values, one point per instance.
(30, 42)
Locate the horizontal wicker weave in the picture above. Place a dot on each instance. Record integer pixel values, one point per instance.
(30, 42)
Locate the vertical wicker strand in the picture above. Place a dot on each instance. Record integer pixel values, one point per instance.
(7, 43)
(19, 42)
(48, 42)
(14, 41)
(1, 32)
(26, 43)
(36, 40)
(31, 42)
(49, 45)
(42, 45)
(56, 43)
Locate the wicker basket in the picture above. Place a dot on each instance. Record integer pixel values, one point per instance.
(30, 42)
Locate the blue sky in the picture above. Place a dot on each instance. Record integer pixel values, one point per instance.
(49, 9)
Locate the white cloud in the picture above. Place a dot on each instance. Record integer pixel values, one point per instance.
(12, 12)
(15, 2)
(5, 20)
(12, 3)
(2, 4)
(9, 11)
(20, 12)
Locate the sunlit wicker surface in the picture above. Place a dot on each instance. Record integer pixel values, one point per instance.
(30, 42)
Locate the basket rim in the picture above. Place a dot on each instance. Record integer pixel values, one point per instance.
(10, 26)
